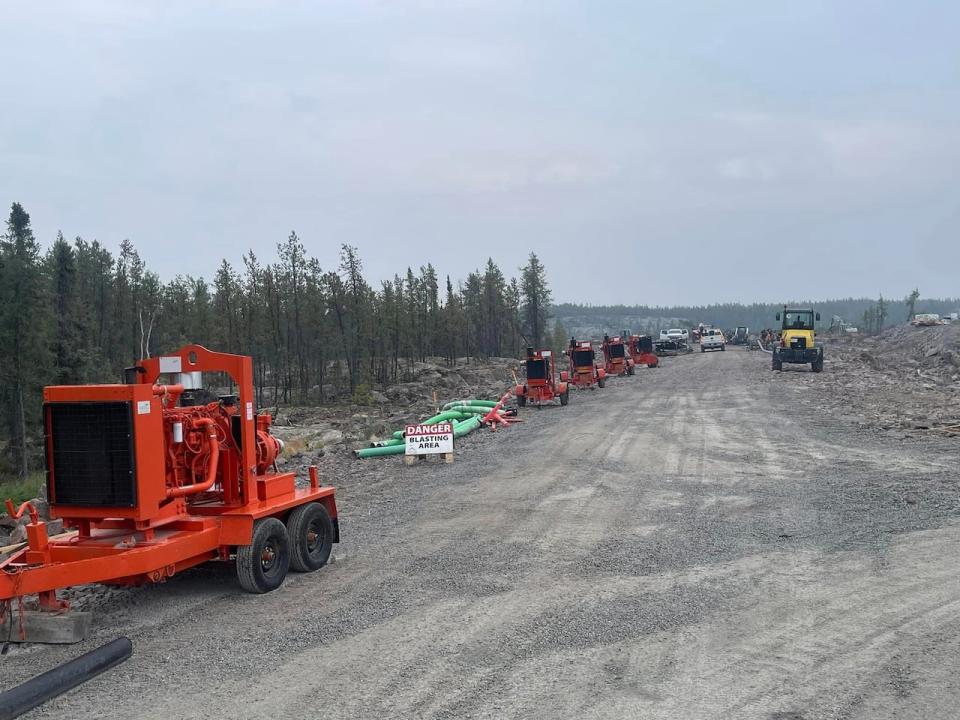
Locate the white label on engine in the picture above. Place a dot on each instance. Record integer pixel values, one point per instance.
(171, 364)
(143, 407)
(249, 411)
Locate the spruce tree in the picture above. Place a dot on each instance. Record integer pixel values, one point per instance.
(536, 300)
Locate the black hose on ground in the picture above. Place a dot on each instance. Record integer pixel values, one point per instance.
(36, 691)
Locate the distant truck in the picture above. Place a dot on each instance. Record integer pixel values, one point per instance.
(926, 319)
(712, 339)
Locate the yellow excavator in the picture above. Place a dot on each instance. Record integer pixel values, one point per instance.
(798, 339)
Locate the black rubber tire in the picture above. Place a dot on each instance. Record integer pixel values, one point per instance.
(521, 400)
(723, 348)
(817, 366)
(256, 572)
(630, 370)
(702, 349)
(311, 537)
(602, 382)
(565, 398)
(776, 364)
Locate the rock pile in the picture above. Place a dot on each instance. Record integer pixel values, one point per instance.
(312, 431)
(906, 379)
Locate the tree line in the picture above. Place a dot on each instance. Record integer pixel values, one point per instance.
(78, 313)
(869, 315)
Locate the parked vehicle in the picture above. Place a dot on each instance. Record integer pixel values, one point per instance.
(713, 339)
(798, 340)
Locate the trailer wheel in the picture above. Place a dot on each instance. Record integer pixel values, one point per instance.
(602, 382)
(565, 398)
(817, 366)
(776, 363)
(630, 370)
(311, 537)
(262, 565)
(521, 400)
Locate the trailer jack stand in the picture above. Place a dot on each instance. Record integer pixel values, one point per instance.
(50, 603)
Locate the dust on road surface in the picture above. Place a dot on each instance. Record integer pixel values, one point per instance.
(686, 543)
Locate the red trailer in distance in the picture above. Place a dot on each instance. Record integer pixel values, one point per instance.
(584, 371)
(615, 359)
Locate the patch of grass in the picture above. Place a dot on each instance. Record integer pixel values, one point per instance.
(20, 490)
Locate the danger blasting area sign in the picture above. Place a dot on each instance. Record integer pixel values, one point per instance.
(429, 439)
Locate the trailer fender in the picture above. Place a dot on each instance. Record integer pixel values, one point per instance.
(601, 373)
(520, 390)
(562, 388)
(564, 376)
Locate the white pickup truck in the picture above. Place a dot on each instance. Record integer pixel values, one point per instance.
(713, 339)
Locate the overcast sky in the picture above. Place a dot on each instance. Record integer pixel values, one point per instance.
(649, 152)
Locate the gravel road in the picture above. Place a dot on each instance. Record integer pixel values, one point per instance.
(698, 541)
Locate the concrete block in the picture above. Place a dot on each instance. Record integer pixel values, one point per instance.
(48, 628)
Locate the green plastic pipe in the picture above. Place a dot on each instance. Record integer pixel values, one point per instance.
(445, 415)
(467, 426)
(380, 451)
(475, 402)
(464, 427)
(387, 443)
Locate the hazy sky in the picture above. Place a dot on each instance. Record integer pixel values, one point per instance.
(649, 152)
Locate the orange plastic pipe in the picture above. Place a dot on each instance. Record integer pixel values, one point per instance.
(212, 463)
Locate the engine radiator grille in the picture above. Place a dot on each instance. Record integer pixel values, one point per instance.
(92, 454)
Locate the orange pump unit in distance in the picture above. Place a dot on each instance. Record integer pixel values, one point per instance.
(541, 385)
(640, 348)
(584, 371)
(615, 358)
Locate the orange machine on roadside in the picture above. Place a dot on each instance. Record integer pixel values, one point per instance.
(158, 475)
(584, 372)
(640, 348)
(541, 384)
(615, 359)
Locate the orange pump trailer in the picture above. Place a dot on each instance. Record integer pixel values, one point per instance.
(584, 372)
(154, 486)
(641, 352)
(615, 357)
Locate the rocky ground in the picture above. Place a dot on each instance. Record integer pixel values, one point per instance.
(904, 382)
